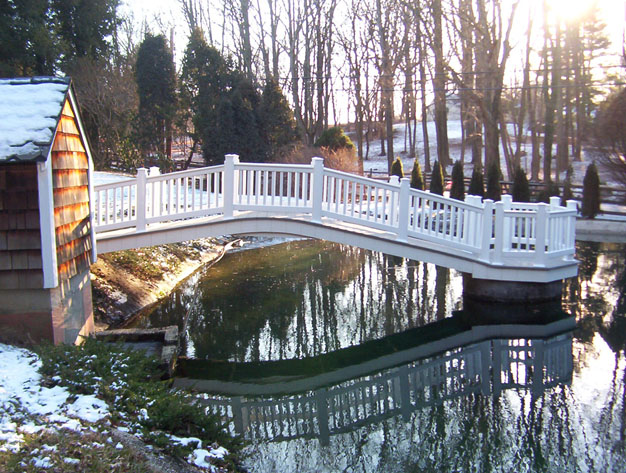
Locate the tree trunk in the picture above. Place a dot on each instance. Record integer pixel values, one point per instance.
(439, 87)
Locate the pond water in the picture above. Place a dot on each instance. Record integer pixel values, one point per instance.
(332, 358)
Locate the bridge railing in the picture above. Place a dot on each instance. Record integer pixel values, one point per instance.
(498, 233)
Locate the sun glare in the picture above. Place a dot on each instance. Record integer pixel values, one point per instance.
(572, 10)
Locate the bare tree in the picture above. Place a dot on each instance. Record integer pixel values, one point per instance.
(492, 27)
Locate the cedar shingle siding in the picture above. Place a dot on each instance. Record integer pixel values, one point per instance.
(20, 240)
(71, 197)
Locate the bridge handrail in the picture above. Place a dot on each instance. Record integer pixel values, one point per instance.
(496, 233)
(157, 177)
(116, 184)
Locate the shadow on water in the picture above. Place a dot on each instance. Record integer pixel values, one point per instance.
(482, 359)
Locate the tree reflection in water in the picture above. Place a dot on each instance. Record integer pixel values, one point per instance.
(340, 296)
(303, 298)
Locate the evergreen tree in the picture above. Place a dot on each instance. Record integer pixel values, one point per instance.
(550, 189)
(397, 169)
(591, 192)
(436, 179)
(477, 182)
(457, 191)
(243, 136)
(206, 81)
(39, 37)
(277, 120)
(85, 27)
(334, 138)
(27, 46)
(521, 188)
(417, 179)
(494, 188)
(156, 86)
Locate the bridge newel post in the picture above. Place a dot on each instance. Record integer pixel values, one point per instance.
(403, 211)
(487, 224)
(140, 209)
(230, 185)
(538, 363)
(317, 189)
(237, 415)
(499, 233)
(321, 400)
(571, 226)
(555, 202)
(541, 234)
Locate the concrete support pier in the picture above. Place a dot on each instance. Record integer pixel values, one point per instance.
(493, 301)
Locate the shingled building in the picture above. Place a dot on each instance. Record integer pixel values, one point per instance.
(46, 238)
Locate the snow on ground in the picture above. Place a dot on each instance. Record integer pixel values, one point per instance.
(27, 407)
(377, 163)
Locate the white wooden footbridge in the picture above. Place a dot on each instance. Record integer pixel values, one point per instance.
(505, 241)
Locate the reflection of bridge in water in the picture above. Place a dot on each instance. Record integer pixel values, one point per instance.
(502, 357)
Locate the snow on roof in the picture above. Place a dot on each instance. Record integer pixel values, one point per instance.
(30, 109)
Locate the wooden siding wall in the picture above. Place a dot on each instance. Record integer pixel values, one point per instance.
(20, 241)
(71, 197)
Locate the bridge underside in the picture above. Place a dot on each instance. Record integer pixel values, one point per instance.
(250, 223)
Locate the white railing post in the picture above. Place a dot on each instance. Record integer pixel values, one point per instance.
(317, 189)
(140, 206)
(470, 221)
(540, 235)
(555, 202)
(403, 210)
(507, 202)
(485, 244)
(571, 225)
(230, 186)
(499, 233)
(153, 194)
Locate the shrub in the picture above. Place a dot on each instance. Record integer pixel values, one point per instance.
(477, 182)
(417, 179)
(494, 187)
(397, 169)
(436, 179)
(550, 189)
(342, 159)
(334, 138)
(521, 189)
(591, 192)
(567, 186)
(457, 191)
(130, 382)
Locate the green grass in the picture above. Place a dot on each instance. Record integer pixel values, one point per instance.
(131, 384)
(89, 451)
(150, 263)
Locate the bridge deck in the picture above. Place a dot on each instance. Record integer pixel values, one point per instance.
(502, 241)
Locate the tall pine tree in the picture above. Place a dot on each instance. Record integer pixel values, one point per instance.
(156, 86)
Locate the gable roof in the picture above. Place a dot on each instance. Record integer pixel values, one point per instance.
(30, 109)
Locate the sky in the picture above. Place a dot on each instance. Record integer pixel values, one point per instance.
(614, 12)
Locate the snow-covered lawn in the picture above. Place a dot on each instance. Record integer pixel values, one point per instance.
(28, 407)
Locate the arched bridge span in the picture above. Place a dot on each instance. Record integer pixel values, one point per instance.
(503, 241)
